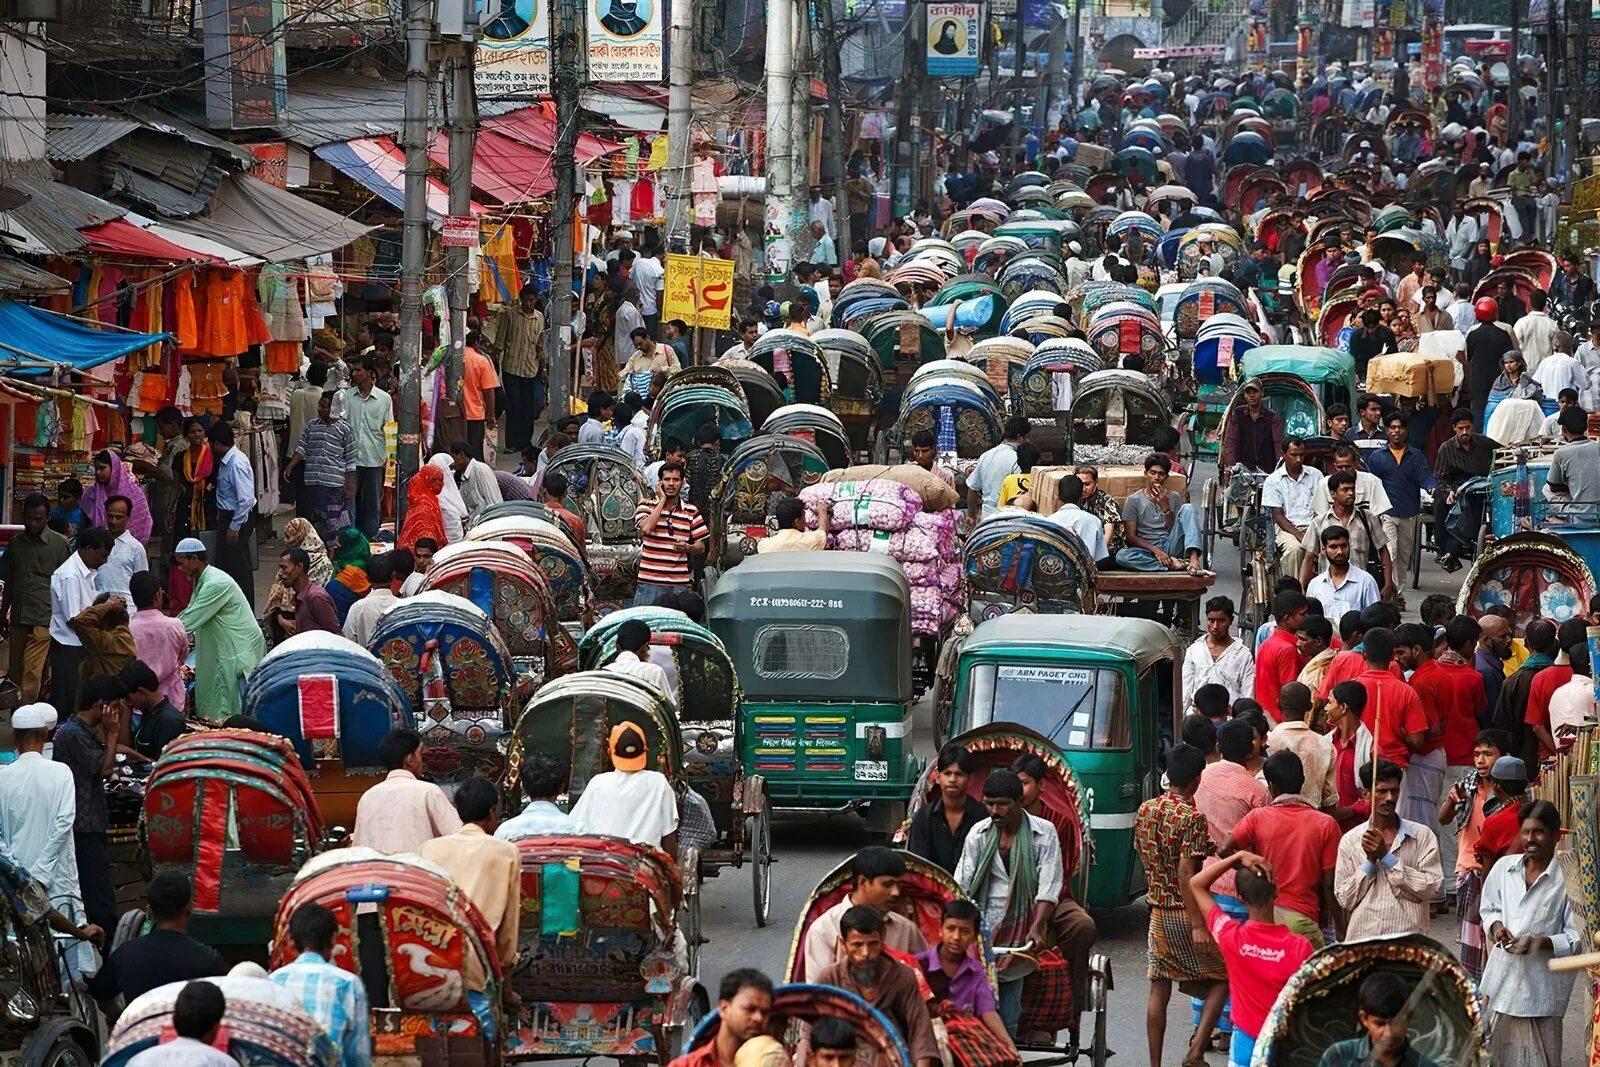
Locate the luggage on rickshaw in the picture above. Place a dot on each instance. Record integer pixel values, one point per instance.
(1114, 415)
(763, 470)
(1318, 1010)
(334, 702)
(459, 681)
(406, 928)
(712, 732)
(1015, 561)
(264, 1026)
(528, 583)
(233, 811)
(604, 488)
(694, 397)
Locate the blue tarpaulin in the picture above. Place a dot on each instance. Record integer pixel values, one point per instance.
(59, 339)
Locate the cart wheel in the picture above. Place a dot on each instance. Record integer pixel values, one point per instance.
(1099, 984)
(1208, 503)
(66, 1052)
(758, 839)
(690, 924)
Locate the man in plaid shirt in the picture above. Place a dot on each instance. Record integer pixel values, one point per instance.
(331, 995)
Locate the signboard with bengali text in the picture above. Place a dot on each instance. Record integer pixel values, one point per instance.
(625, 42)
(699, 290)
(953, 40)
(513, 55)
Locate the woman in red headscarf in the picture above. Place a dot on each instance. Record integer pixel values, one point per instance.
(423, 515)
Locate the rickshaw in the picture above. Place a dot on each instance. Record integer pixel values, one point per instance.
(1225, 243)
(51, 1019)
(1103, 695)
(761, 389)
(233, 811)
(1201, 299)
(1318, 1008)
(761, 471)
(864, 297)
(823, 649)
(797, 358)
(1221, 344)
(1032, 271)
(857, 385)
(902, 341)
(1018, 561)
(604, 488)
(597, 969)
(878, 1041)
(527, 583)
(1112, 412)
(1027, 306)
(695, 396)
(1517, 502)
(963, 416)
(1537, 575)
(413, 936)
(1067, 806)
(710, 724)
(815, 425)
(1124, 329)
(458, 678)
(264, 1025)
(1003, 361)
(1330, 374)
(334, 702)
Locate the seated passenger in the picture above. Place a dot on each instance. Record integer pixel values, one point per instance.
(1381, 1009)
(876, 872)
(961, 993)
(630, 801)
(882, 981)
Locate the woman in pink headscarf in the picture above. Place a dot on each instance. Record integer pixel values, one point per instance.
(112, 478)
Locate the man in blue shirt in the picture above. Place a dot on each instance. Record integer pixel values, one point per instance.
(329, 994)
(1404, 473)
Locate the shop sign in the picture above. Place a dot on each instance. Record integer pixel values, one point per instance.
(625, 40)
(459, 231)
(699, 290)
(513, 55)
(953, 40)
(247, 80)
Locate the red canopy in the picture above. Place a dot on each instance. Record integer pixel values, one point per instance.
(531, 127)
(122, 238)
(503, 168)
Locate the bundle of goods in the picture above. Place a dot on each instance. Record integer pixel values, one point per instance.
(917, 529)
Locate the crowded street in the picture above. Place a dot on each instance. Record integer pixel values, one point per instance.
(878, 535)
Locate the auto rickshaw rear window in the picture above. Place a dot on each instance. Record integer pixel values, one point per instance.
(801, 652)
(1073, 707)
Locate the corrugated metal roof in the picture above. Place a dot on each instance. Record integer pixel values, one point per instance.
(54, 213)
(19, 277)
(163, 197)
(327, 107)
(75, 137)
(167, 158)
(164, 121)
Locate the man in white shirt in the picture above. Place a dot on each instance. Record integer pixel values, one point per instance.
(196, 1018)
(633, 657)
(823, 251)
(1341, 586)
(1536, 332)
(128, 556)
(1369, 487)
(1090, 530)
(72, 588)
(1216, 656)
(38, 806)
(1288, 492)
(993, 468)
(422, 558)
(630, 801)
(821, 210)
(1558, 371)
(1572, 704)
(1463, 315)
(475, 478)
(1460, 235)
(651, 277)
(362, 622)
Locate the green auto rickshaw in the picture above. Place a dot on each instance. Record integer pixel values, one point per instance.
(822, 644)
(1099, 689)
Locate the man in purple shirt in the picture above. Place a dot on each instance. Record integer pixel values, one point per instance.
(313, 607)
(959, 982)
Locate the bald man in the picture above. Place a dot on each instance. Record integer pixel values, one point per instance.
(1494, 648)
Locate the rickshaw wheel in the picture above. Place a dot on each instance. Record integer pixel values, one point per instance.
(689, 925)
(758, 839)
(1208, 501)
(67, 1053)
(1099, 984)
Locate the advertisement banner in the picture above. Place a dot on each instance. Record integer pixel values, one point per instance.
(953, 40)
(625, 40)
(699, 290)
(1433, 54)
(513, 48)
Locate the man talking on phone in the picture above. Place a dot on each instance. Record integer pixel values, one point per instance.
(674, 534)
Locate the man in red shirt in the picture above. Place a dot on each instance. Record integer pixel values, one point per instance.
(1345, 705)
(1547, 681)
(744, 1001)
(1466, 706)
(1393, 715)
(1300, 842)
(1502, 828)
(1423, 786)
(1278, 660)
(1351, 662)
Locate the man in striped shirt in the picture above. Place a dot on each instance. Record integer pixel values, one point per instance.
(674, 531)
(327, 449)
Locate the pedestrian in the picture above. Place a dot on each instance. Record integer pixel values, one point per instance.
(1389, 871)
(1369, 548)
(1278, 657)
(72, 589)
(1295, 734)
(326, 450)
(1287, 494)
(313, 609)
(1511, 707)
(475, 479)
(1465, 707)
(1490, 659)
(1299, 842)
(1404, 472)
(197, 1015)
(480, 387)
(422, 550)
(1259, 953)
(674, 532)
(1570, 634)
(1464, 809)
(1573, 705)
(195, 505)
(1425, 774)
(1487, 343)
(87, 745)
(128, 556)
(1403, 727)
(166, 954)
(107, 641)
(66, 517)
(39, 807)
(234, 530)
(543, 777)
(1216, 655)
(27, 566)
(227, 639)
(632, 800)
(1342, 586)
(331, 995)
(160, 721)
(940, 827)
(113, 479)
(518, 334)
(1529, 921)
(368, 410)
(361, 622)
(1347, 702)
(1170, 836)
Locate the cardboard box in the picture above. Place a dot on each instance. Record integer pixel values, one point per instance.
(1411, 374)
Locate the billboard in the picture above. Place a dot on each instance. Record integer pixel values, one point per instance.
(625, 40)
(953, 40)
(513, 48)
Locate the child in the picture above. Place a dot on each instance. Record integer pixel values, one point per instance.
(1383, 1010)
(1261, 954)
(1466, 805)
(67, 515)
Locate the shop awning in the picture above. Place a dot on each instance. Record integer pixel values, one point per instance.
(378, 164)
(122, 238)
(271, 223)
(28, 331)
(504, 169)
(200, 246)
(533, 128)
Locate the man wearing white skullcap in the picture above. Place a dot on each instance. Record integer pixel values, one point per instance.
(227, 637)
(38, 807)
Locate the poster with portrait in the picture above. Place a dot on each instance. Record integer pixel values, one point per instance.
(513, 48)
(625, 40)
(953, 40)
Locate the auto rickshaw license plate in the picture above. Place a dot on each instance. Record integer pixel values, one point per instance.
(868, 770)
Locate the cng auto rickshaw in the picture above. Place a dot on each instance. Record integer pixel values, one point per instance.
(822, 645)
(1103, 694)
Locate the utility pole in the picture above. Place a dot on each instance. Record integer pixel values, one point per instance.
(1514, 85)
(1074, 89)
(833, 128)
(1017, 134)
(900, 201)
(780, 137)
(800, 119)
(414, 244)
(679, 106)
(463, 139)
(1049, 77)
(567, 65)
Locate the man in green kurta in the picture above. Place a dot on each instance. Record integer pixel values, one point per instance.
(227, 637)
